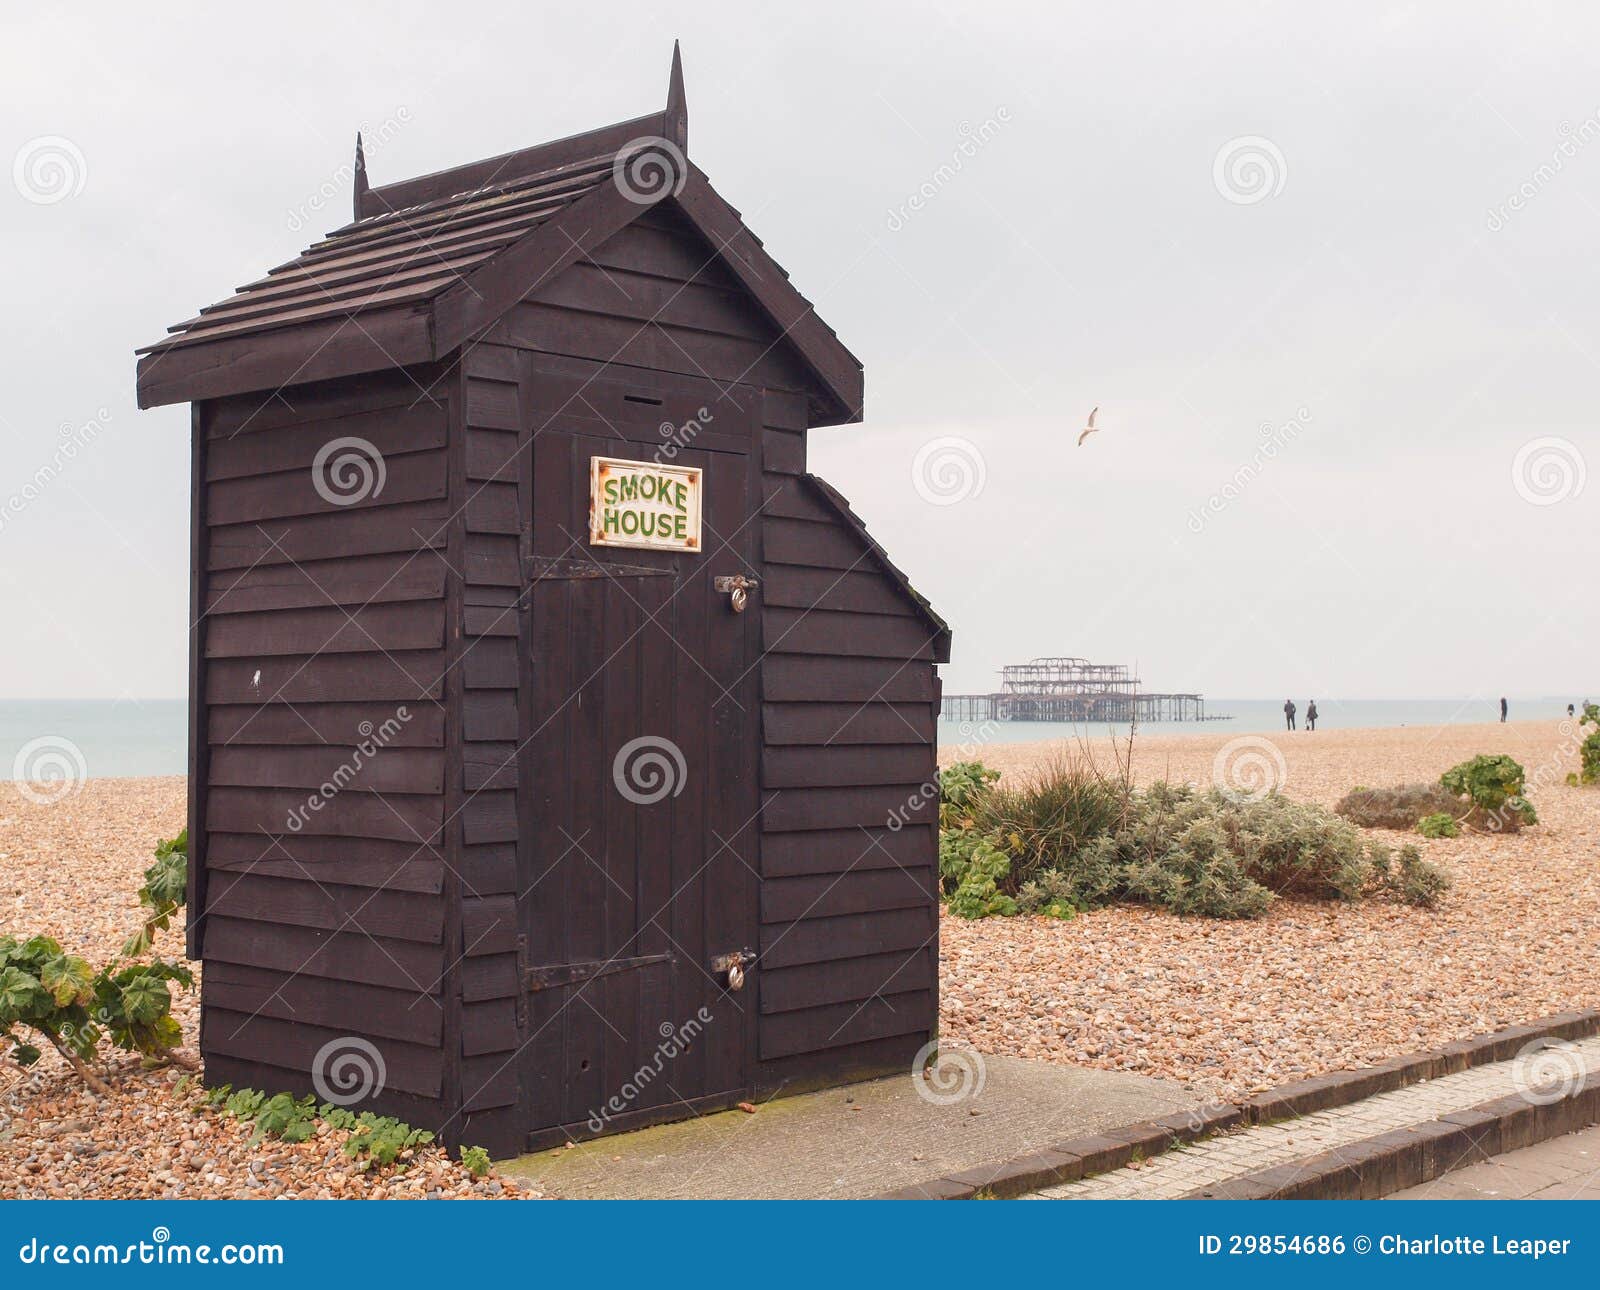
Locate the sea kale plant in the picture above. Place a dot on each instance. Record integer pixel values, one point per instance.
(1494, 784)
(60, 999)
(1589, 750)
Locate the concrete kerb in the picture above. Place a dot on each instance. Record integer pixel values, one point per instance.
(1420, 1153)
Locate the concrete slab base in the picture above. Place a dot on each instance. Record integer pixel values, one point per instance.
(860, 1140)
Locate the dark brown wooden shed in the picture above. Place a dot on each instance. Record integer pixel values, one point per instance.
(494, 795)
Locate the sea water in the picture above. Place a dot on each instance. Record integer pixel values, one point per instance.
(99, 738)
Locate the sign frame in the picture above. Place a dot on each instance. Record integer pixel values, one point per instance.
(646, 510)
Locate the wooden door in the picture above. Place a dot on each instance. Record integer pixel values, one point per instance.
(639, 765)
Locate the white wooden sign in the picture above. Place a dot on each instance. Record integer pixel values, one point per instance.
(641, 504)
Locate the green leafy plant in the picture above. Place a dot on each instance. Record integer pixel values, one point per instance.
(1440, 825)
(1493, 783)
(72, 1005)
(475, 1160)
(374, 1140)
(1410, 879)
(971, 869)
(162, 894)
(1589, 751)
(961, 785)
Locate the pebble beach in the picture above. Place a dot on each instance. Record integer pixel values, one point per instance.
(1222, 1008)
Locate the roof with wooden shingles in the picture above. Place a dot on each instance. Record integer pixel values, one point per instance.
(431, 262)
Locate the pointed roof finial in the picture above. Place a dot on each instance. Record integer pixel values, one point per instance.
(677, 114)
(361, 176)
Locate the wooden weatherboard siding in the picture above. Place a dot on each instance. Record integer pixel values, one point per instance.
(474, 900)
(323, 629)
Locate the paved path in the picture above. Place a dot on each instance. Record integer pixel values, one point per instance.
(1561, 1169)
(1215, 1160)
(863, 1139)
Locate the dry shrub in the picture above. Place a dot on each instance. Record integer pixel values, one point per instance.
(1399, 808)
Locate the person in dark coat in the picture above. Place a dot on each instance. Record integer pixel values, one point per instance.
(1311, 715)
(1502, 709)
(1288, 712)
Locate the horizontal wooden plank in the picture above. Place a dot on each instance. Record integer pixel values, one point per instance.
(372, 392)
(488, 925)
(489, 1027)
(350, 862)
(489, 869)
(813, 985)
(491, 977)
(492, 559)
(848, 849)
(786, 497)
(409, 477)
(492, 455)
(489, 766)
(787, 900)
(413, 625)
(297, 902)
(408, 1068)
(490, 620)
(799, 678)
(269, 811)
(488, 1081)
(803, 1072)
(783, 452)
(822, 631)
(330, 768)
(391, 432)
(788, 809)
(489, 663)
(419, 724)
(413, 527)
(489, 716)
(359, 580)
(355, 677)
(851, 936)
(816, 546)
(411, 1016)
(489, 817)
(792, 587)
(491, 404)
(842, 766)
(492, 508)
(847, 723)
(409, 966)
(814, 1029)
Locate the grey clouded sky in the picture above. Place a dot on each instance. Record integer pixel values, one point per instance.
(1358, 283)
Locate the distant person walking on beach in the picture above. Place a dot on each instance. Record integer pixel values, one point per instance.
(1570, 711)
(1288, 713)
(1502, 710)
(1311, 715)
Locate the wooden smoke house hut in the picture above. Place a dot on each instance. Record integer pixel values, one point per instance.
(558, 743)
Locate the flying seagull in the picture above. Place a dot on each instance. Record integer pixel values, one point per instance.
(1088, 429)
